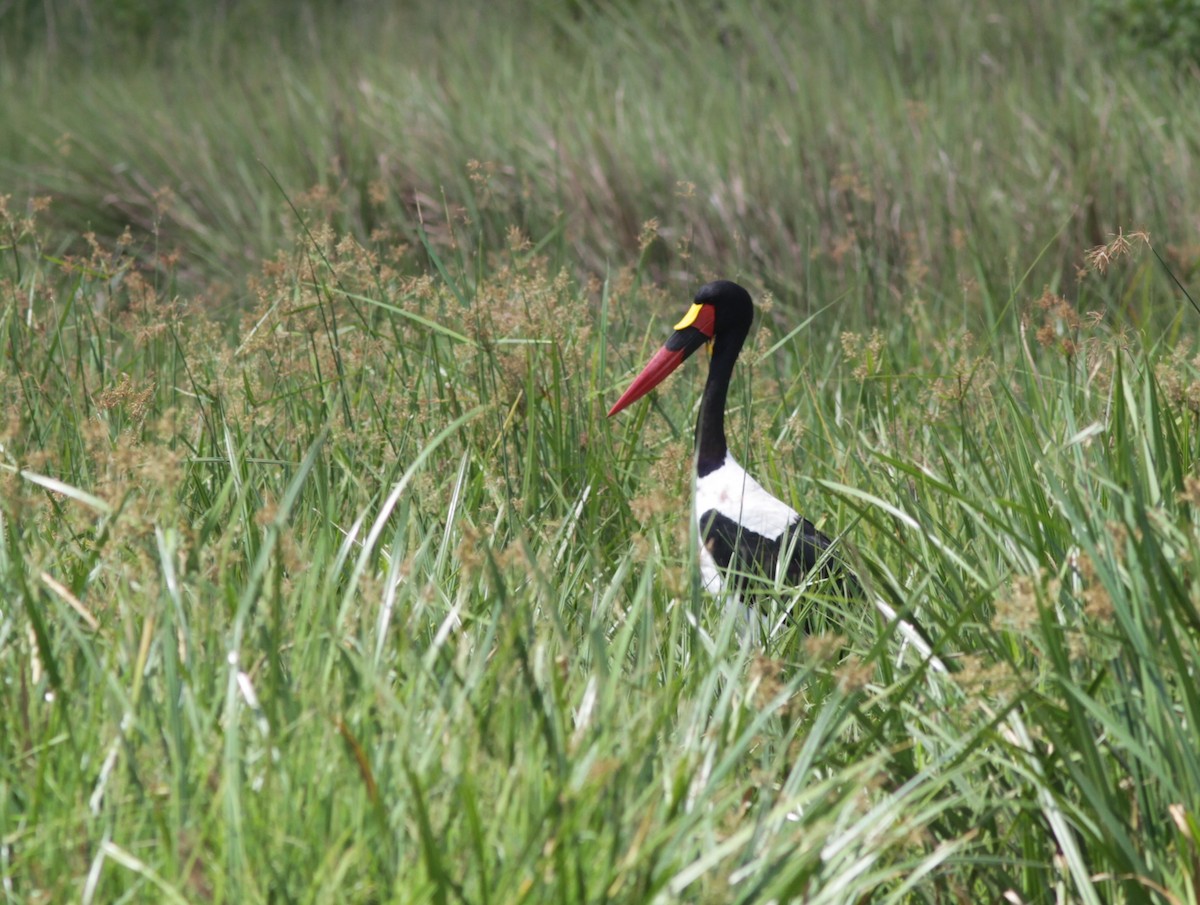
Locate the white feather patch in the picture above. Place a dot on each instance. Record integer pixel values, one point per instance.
(736, 495)
(732, 492)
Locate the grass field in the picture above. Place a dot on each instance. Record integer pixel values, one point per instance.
(323, 576)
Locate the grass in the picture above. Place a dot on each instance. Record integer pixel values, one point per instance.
(933, 158)
(324, 576)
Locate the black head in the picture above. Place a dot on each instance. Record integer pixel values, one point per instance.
(732, 307)
(721, 315)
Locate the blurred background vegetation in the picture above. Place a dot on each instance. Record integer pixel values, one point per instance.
(945, 146)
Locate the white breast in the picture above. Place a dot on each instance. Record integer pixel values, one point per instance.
(736, 495)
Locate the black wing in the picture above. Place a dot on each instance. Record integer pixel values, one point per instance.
(746, 554)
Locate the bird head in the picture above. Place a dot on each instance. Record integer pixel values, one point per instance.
(721, 309)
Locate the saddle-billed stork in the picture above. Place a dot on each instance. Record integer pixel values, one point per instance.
(744, 531)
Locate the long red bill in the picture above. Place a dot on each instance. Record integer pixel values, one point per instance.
(663, 363)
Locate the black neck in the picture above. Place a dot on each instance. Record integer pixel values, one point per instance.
(711, 448)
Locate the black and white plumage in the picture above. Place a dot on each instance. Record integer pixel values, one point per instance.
(747, 536)
(746, 532)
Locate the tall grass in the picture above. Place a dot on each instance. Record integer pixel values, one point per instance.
(324, 577)
(376, 604)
